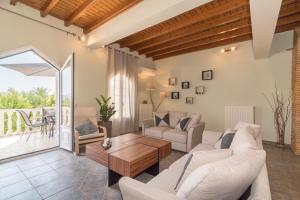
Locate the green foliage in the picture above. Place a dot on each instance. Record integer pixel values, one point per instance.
(107, 109)
(35, 98)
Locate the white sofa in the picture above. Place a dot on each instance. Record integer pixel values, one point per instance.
(181, 140)
(162, 186)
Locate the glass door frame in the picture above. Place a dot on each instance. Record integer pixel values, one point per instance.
(72, 59)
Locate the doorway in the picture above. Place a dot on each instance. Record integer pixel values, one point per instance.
(36, 103)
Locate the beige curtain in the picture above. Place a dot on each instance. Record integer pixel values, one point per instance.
(122, 87)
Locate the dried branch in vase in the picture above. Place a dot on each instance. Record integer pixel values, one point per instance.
(281, 108)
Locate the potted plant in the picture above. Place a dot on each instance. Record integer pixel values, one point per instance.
(107, 110)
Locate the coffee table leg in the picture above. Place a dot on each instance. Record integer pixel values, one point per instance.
(153, 170)
(113, 177)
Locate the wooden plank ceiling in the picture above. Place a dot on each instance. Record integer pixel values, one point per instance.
(87, 14)
(217, 23)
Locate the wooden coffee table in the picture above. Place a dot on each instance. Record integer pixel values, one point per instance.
(130, 155)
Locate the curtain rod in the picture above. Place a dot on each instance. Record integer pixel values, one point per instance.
(119, 49)
(43, 23)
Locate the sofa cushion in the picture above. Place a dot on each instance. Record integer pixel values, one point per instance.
(162, 119)
(243, 140)
(166, 180)
(203, 147)
(199, 158)
(183, 123)
(175, 135)
(195, 119)
(255, 127)
(175, 117)
(225, 179)
(155, 131)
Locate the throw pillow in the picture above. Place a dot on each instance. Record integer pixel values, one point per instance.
(195, 119)
(225, 179)
(162, 119)
(86, 127)
(183, 123)
(243, 140)
(199, 158)
(225, 139)
(255, 127)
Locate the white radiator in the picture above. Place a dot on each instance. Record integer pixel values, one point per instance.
(234, 114)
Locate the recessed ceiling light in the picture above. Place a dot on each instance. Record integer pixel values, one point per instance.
(222, 50)
(233, 48)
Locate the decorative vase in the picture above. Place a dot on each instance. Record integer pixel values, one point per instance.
(107, 125)
(281, 143)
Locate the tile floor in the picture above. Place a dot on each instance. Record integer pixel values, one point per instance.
(59, 175)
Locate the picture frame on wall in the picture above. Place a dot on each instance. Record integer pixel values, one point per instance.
(207, 75)
(199, 90)
(172, 81)
(189, 100)
(175, 95)
(185, 85)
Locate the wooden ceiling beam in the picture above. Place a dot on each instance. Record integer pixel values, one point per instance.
(101, 21)
(288, 19)
(234, 39)
(13, 2)
(79, 12)
(203, 12)
(231, 40)
(198, 27)
(209, 40)
(199, 35)
(47, 7)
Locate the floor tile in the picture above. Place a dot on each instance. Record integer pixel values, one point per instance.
(29, 195)
(9, 180)
(37, 171)
(30, 165)
(7, 165)
(15, 189)
(9, 171)
(69, 194)
(54, 187)
(44, 178)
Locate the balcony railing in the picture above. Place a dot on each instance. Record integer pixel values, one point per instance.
(11, 123)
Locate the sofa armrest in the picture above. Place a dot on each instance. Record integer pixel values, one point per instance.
(210, 137)
(195, 135)
(135, 190)
(147, 124)
(104, 131)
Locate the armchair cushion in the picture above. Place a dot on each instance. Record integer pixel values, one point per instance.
(255, 127)
(86, 128)
(175, 135)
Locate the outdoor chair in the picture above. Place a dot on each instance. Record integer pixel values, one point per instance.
(29, 123)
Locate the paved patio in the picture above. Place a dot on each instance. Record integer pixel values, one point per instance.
(16, 145)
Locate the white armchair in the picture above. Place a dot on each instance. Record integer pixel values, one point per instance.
(81, 114)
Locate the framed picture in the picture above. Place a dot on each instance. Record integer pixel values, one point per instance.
(207, 75)
(175, 95)
(185, 85)
(189, 100)
(172, 81)
(199, 90)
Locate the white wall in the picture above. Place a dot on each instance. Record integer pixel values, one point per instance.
(90, 65)
(239, 79)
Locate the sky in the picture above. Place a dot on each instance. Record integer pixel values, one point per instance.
(10, 78)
